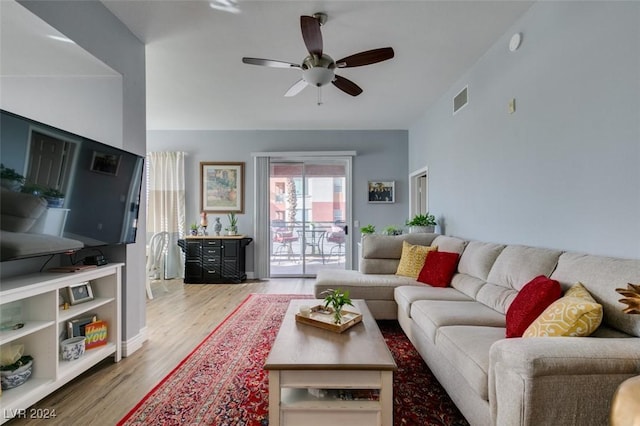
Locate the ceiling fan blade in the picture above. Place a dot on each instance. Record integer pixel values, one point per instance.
(269, 63)
(347, 86)
(296, 88)
(366, 58)
(311, 34)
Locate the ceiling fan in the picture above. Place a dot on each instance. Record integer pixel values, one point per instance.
(318, 69)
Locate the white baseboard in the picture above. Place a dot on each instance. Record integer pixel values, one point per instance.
(135, 343)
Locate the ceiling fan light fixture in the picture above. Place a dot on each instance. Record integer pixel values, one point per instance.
(225, 5)
(317, 76)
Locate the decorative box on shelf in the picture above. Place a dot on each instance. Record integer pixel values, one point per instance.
(95, 334)
(322, 317)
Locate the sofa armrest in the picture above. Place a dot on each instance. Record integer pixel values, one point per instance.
(573, 378)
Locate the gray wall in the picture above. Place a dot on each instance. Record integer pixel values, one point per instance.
(98, 31)
(563, 170)
(380, 155)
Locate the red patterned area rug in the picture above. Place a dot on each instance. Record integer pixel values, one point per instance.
(222, 382)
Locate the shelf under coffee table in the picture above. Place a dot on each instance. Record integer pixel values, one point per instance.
(350, 374)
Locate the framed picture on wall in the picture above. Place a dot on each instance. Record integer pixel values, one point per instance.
(222, 187)
(104, 163)
(381, 191)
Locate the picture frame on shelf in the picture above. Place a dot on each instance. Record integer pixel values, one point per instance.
(76, 326)
(79, 293)
(222, 187)
(381, 191)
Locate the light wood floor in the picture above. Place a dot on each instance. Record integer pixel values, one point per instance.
(177, 320)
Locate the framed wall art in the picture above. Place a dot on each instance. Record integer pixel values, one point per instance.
(107, 164)
(222, 187)
(381, 191)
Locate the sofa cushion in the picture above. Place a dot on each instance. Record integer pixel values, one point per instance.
(430, 315)
(24, 244)
(406, 295)
(467, 284)
(601, 275)
(380, 254)
(360, 286)
(19, 211)
(412, 259)
(390, 247)
(577, 314)
(530, 302)
(478, 258)
(467, 348)
(438, 268)
(449, 244)
(515, 266)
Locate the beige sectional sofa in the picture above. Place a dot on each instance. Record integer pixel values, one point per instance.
(460, 330)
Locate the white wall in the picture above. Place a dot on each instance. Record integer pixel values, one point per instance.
(563, 171)
(68, 102)
(99, 32)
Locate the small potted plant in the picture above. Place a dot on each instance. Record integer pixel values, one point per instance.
(368, 229)
(54, 197)
(422, 223)
(11, 179)
(232, 229)
(194, 229)
(392, 230)
(336, 299)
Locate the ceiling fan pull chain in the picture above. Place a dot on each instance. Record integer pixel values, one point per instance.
(319, 95)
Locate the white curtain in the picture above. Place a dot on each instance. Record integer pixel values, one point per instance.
(166, 206)
(262, 238)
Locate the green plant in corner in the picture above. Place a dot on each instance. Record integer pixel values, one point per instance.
(368, 229)
(337, 299)
(194, 228)
(422, 220)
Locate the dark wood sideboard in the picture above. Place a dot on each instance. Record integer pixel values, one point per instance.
(214, 259)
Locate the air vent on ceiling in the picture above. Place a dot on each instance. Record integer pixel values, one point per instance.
(460, 100)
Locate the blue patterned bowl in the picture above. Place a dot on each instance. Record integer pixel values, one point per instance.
(73, 348)
(12, 379)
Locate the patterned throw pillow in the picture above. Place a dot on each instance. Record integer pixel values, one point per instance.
(530, 302)
(412, 259)
(577, 314)
(439, 268)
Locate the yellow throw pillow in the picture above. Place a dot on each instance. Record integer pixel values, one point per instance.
(412, 259)
(577, 314)
(578, 290)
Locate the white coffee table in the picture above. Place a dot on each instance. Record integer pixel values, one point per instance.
(305, 357)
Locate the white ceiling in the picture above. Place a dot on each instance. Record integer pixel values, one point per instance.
(28, 49)
(196, 80)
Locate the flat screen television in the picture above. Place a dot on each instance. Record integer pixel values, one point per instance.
(77, 193)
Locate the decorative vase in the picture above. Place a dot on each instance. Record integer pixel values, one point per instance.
(12, 379)
(194, 232)
(54, 202)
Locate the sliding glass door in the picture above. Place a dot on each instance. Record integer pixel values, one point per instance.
(308, 215)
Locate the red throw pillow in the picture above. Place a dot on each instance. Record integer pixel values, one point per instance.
(439, 268)
(530, 302)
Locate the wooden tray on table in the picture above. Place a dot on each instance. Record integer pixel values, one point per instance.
(323, 318)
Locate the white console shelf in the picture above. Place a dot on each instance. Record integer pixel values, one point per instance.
(36, 297)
